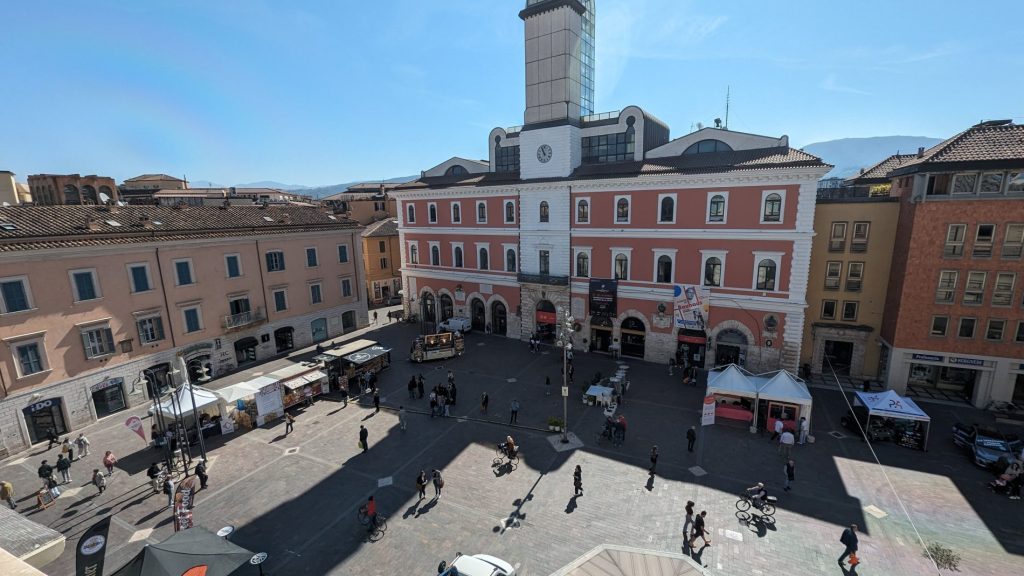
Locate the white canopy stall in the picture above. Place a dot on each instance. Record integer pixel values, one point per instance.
(908, 418)
(733, 382)
(786, 395)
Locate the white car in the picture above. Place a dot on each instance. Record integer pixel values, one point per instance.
(460, 323)
(478, 565)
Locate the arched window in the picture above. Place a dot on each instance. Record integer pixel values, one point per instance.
(414, 254)
(71, 195)
(483, 259)
(435, 256)
(773, 208)
(766, 275)
(582, 212)
(456, 170)
(89, 195)
(713, 272)
(705, 146)
(432, 213)
(510, 212)
(510, 260)
(456, 213)
(544, 212)
(622, 211)
(716, 210)
(481, 212)
(107, 191)
(410, 213)
(664, 269)
(583, 265)
(458, 256)
(668, 210)
(621, 267)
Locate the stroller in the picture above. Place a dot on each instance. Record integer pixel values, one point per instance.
(612, 432)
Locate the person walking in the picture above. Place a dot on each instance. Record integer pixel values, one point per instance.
(343, 388)
(289, 423)
(514, 410)
(700, 529)
(419, 386)
(654, 460)
(201, 473)
(778, 430)
(376, 401)
(688, 523)
(64, 467)
(484, 401)
(848, 539)
(412, 387)
(451, 378)
(433, 404)
(401, 418)
(51, 436)
(7, 494)
(364, 435)
(67, 450)
(790, 471)
(547, 385)
(786, 442)
(99, 480)
(421, 484)
(691, 438)
(83, 445)
(108, 461)
(45, 473)
(169, 490)
(154, 476)
(438, 482)
(577, 481)
(452, 392)
(374, 316)
(804, 430)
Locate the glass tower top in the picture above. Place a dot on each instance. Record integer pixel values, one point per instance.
(587, 60)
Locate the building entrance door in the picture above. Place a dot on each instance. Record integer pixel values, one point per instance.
(44, 415)
(839, 354)
(499, 319)
(479, 315)
(634, 338)
(1018, 390)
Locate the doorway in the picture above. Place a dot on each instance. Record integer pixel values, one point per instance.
(428, 313)
(546, 319)
(499, 319)
(447, 307)
(319, 329)
(44, 415)
(245, 351)
(634, 337)
(478, 315)
(839, 354)
(600, 334)
(1018, 390)
(731, 348)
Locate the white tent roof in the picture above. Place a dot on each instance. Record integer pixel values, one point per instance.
(783, 387)
(891, 405)
(609, 560)
(237, 392)
(732, 380)
(184, 399)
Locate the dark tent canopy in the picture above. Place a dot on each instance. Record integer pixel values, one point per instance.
(186, 550)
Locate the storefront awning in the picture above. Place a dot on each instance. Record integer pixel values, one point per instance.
(304, 380)
(364, 356)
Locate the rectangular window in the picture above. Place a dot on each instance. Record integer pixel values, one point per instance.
(545, 262)
(275, 261)
(98, 342)
(940, 324)
(964, 183)
(974, 290)
(316, 295)
(995, 330)
(833, 275)
(1015, 182)
(506, 158)
(346, 288)
(1002, 291)
(855, 276)
(966, 328)
(946, 292)
(849, 311)
(382, 246)
(1019, 338)
(859, 242)
(30, 360)
(828, 309)
(84, 283)
(608, 148)
(837, 239)
(13, 295)
(150, 329)
(383, 263)
(1014, 241)
(280, 300)
(193, 320)
(233, 264)
(183, 272)
(954, 247)
(139, 274)
(312, 260)
(991, 183)
(342, 253)
(983, 241)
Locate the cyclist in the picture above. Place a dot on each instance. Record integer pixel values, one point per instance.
(758, 494)
(508, 447)
(371, 513)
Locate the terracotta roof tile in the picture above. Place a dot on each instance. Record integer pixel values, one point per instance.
(881, 170)
(388, 227)
(985, 142)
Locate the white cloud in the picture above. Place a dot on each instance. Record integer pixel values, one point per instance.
(831, 84)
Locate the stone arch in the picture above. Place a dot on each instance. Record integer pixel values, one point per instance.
(489, 307)
(752, 341)
(617, 321)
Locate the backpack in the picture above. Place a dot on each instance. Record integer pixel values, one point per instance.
(167, 487)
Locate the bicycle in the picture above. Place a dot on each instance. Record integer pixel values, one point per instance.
(501, 455)
(767, 507)
(379, 527)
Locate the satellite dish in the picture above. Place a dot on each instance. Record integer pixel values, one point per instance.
(7, 204)
(121, 203)
(104, 198)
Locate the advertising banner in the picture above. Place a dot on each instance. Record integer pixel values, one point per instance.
(92, 549)
(707, 415)
(269, 404)
(603, 297)
(691, 307)
(135, 425)
(184, 494)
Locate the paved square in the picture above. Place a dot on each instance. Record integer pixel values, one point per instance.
(296, 496)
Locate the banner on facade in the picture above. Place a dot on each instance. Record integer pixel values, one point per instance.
(691, 307)
(604, 297)
(92, 549)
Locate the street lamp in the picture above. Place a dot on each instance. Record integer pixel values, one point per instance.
(565, 342)
(148, 377)
(204, 377)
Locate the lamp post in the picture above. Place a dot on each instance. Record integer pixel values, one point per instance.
(565, 341)
(205, 377)
(148, 377)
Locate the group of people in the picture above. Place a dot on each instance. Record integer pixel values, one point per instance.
(1009, 481)
(443, 396)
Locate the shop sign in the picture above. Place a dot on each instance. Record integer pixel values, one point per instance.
(603, 297)
(691, 306)
(108, 383)
(42, 405)
(927, 357)
(966, 361)
(692, 339)
(546, 317)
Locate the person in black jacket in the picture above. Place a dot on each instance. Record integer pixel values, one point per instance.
(849, 539)
(201, 473)
(45, 473)
(51, 435)
(691, 437)
(364, 434)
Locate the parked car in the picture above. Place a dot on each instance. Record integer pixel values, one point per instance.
(876, 429)
(460, 323)
(989, 447)
(477, 565)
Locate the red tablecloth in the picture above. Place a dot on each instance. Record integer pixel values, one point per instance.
(733, 413)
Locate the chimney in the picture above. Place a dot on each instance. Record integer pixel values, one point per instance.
(286, 219)
(92, 223)
(145, 222)
(920, 152)
(226, 204)
(861, 170)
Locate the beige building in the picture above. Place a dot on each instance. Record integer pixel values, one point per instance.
(11, 192)
(155, 182)
(382, 261)
(850, 258)
(53, 189)
(365, 203)
(93, 297)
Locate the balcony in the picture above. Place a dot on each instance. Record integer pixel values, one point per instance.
(544, 279)
(243, 319)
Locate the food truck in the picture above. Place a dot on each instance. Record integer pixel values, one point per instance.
(435, 346)
(355, 359)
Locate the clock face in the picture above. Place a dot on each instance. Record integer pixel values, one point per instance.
(544, 153)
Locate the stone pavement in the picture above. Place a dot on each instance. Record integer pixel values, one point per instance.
(296, 496)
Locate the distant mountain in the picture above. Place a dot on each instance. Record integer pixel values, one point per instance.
(272, 184)
(204, 184)
(849, 155)
(321, 191)
(314, 191)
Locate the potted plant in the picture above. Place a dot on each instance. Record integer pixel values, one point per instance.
(555, 424)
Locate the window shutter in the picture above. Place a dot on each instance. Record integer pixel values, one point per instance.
(158, 325)
(108, 340)
(270, 260)
(86, 346)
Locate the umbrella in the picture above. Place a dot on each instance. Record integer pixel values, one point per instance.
(192, 548)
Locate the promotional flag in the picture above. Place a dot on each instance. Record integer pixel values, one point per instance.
(184, 496)
(91, 549)
(135, 425)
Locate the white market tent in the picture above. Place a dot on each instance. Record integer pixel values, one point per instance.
(780, 386)
(732, 380)
(183, 400)
(241, 391)
(889, 404)
(611, 560)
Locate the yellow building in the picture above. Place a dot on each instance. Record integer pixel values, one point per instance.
(850, 260)
(365, 203)
(382, 261)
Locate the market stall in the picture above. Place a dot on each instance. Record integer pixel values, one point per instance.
(239, 405)
(735, 393)
(760, 399)
(333, 360)
(910, 424)
(299, 382)
(207, 409)
(785, 396)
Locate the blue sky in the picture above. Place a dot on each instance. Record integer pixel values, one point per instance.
(321, 92)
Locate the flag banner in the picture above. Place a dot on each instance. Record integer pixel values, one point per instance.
(92, 548)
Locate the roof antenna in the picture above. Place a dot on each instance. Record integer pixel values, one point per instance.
(727, 88)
